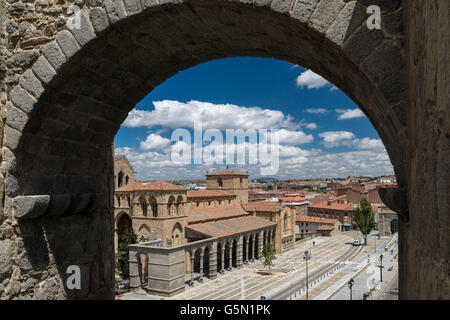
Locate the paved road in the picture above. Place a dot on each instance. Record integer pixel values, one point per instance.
(289, 267)
(370, 277)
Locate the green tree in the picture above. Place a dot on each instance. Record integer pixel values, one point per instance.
(364, 217)
(269, 255)
(128, 237)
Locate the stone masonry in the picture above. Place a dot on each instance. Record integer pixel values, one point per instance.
(71, 70)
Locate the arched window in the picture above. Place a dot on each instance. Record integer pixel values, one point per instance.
(154, 207)
(126, 180)
(220, 182)
(171, 206)
(143, 206)
(241, 180)
(179, 205)
(120, 179)
(286, 223)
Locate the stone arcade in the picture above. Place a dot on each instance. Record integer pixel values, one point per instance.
(66, 91)
(195, 231)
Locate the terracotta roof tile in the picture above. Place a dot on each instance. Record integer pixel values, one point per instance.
(154, 185)
(223, 228)
(262, 206)
(333, 206)
(293, 199)
(196, 215)
(208, 194)
(315, 219)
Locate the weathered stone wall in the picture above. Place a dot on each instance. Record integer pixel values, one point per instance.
(65, 93)
(424, 240)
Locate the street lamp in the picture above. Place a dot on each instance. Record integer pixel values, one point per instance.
(306, 258)
(381, 268)
(350, 286)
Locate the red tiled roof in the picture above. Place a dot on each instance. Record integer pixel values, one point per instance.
(292, 199)
(154, 185)
(197, 215)
(208, 194)
(262, 206)
(333, 206)
(223, 228)
(315, 219)
(227, 173)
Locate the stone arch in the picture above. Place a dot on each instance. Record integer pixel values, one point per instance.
(143, 206)
(179, 205)
(66, 109)
(177, 234)
(153, 206)
(120, 179)
(171, 206)
(144, 233)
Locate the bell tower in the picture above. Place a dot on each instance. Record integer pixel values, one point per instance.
(230, 181)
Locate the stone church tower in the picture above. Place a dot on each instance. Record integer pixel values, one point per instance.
(230, 181)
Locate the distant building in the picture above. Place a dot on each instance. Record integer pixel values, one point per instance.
(338, 208)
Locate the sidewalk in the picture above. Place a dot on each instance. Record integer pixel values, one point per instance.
(366, 276)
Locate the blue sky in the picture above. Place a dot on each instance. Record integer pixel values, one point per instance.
(322, 132)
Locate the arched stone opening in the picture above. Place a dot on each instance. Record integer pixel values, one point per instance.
(177, 234)
(154, 207)
(219, 257)
(64, 113)
(171, 206)
(234, 254)
(228, 262)
(143, 206)
(144, 233)
(179, 205)
(123, 224)
(206, 262)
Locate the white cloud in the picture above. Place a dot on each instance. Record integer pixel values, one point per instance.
(294, 137)
(311, 80)
(154, 142)
(350, 113)
(333, 139)
(316, 110)
(312, 126)
(367, 144)
(175, 114)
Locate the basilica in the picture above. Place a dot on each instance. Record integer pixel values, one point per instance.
(216, 228)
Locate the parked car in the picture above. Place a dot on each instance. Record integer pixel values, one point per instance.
(356, 242)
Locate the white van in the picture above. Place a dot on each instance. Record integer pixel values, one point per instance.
(356, 242)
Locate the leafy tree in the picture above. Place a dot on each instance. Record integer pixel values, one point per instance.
(128, 237)
(364, 217)
(269, 255)
(269, 187)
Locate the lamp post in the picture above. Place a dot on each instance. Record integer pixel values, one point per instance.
(306, 258)
(350, 286)
(381, 268)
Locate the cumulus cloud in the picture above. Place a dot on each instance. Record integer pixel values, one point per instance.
(154, 142)
(294, 137)
(312, 126)
(294, 163)
(175, 114)
(350, 113)
(311, 80)
(316, 110)
(333, 139)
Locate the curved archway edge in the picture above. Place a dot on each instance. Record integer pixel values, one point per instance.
(64, 110)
